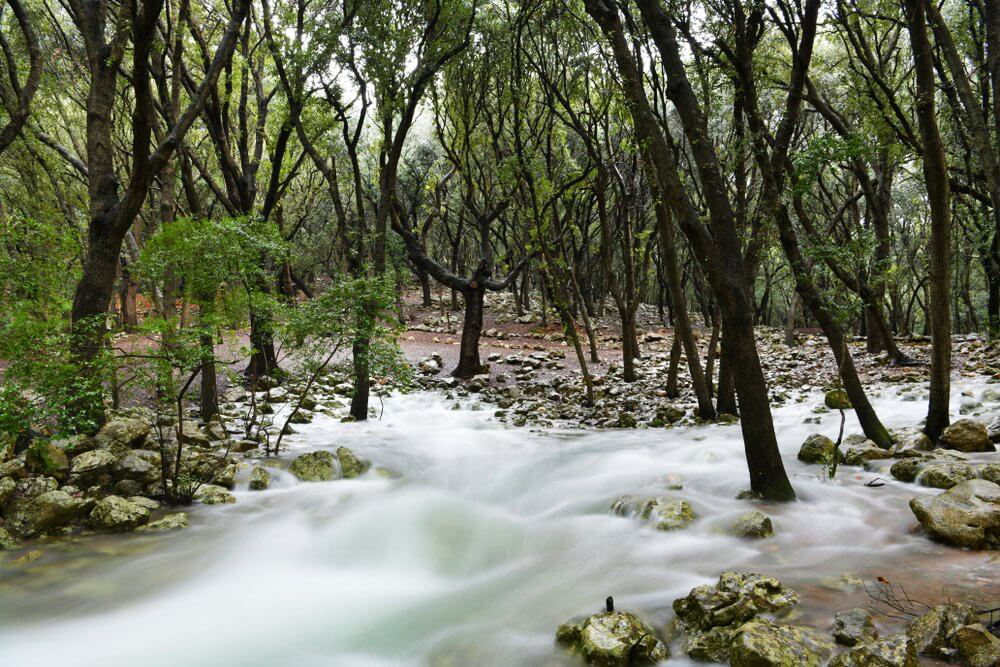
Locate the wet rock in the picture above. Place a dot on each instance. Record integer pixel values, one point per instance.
(7, 541)
(836, 399)
(891, 651)
(712, 645)
(174, 521)
(967, 515)
(976, 646)
(7, 486)
(663, 512)
(945, 475)
(118, 514)
(212, 494)
(869, 451)
(753, 524)
(990, 472)
(853, 627)
(314, 467)
(612, 639)
(350, 465)
(46, 512)
(916, 441)
(667, 414)
(933, 633)
(431, 365)
(765, 644)
(818, 449)
(44, 457)
(905, 470)
(966, 435)
(260, 479)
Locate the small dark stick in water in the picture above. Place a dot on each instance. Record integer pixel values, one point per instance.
(609, 603)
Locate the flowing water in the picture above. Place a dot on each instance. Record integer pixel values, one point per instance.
(491, 537)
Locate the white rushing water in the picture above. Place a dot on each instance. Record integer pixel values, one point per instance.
(491, 538)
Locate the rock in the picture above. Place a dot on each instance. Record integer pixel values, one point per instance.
(905, 470)
(976, 646)
(612, 639)
(314, 467)
(711, 645)
(891, 651)
(664, 512)
(211, 494)
(753, 524)
(44, 512)
(945, 475)
(8, 441)
(933, 633)
(135, 466)
(7, 541)
(668, 414)
(260, 479)
(277, 395)
(765, 644)
(148, 503)
(912, 442)
(123, 433)
(736, 598)
(853, 627)
(966, 515)
(301, 417)
(350, 465)
(46, 458)
(90, 465)
(7, 486)
(818, 449)
(990, 472)
(169, 522)
(836, 399)
(966, 435)
(118, 514)
(193, 434)
(858, 454)
(14, 468)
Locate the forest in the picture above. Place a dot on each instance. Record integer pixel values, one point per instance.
(500, 332)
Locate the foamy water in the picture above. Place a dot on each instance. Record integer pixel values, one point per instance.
(491, 537)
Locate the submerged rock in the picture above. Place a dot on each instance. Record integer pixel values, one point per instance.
(350, 465)
(818, 449)
(966, 435)
(663, 512)
(314, 467)
(753, 524)
(967, 515)
(612, 639)
(853, 627)
(891, 651)
(765, 644)
(118, 514)
(169, 522)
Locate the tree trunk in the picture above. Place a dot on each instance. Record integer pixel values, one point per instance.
(472, 329)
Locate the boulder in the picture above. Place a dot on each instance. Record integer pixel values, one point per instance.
(7, 486)
(891, 651)
(612, 639)
(836, 399)
(853, 627)
(933, 633)
(663, 512)
(45, 512)
(122, 433)
(88, 466)
(169, 522)
(118, 514)
(350, 465)
(976, 646)
(905, 470)
(260, 479)
(765, 644)
(991, 472)
(46, 458)
(7, 541)
(818, 449)
(966, 435)
(912, 442)
(966, 515)
(753, 524)
(869, 451)
(945, 475)
(314, 467)
(137, 467)
(211, 494)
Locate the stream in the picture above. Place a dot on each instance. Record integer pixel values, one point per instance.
(491, 537)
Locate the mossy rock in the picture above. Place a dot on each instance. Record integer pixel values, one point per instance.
(612, 639)
(314, 467)
(765, 644)
(836, 399)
